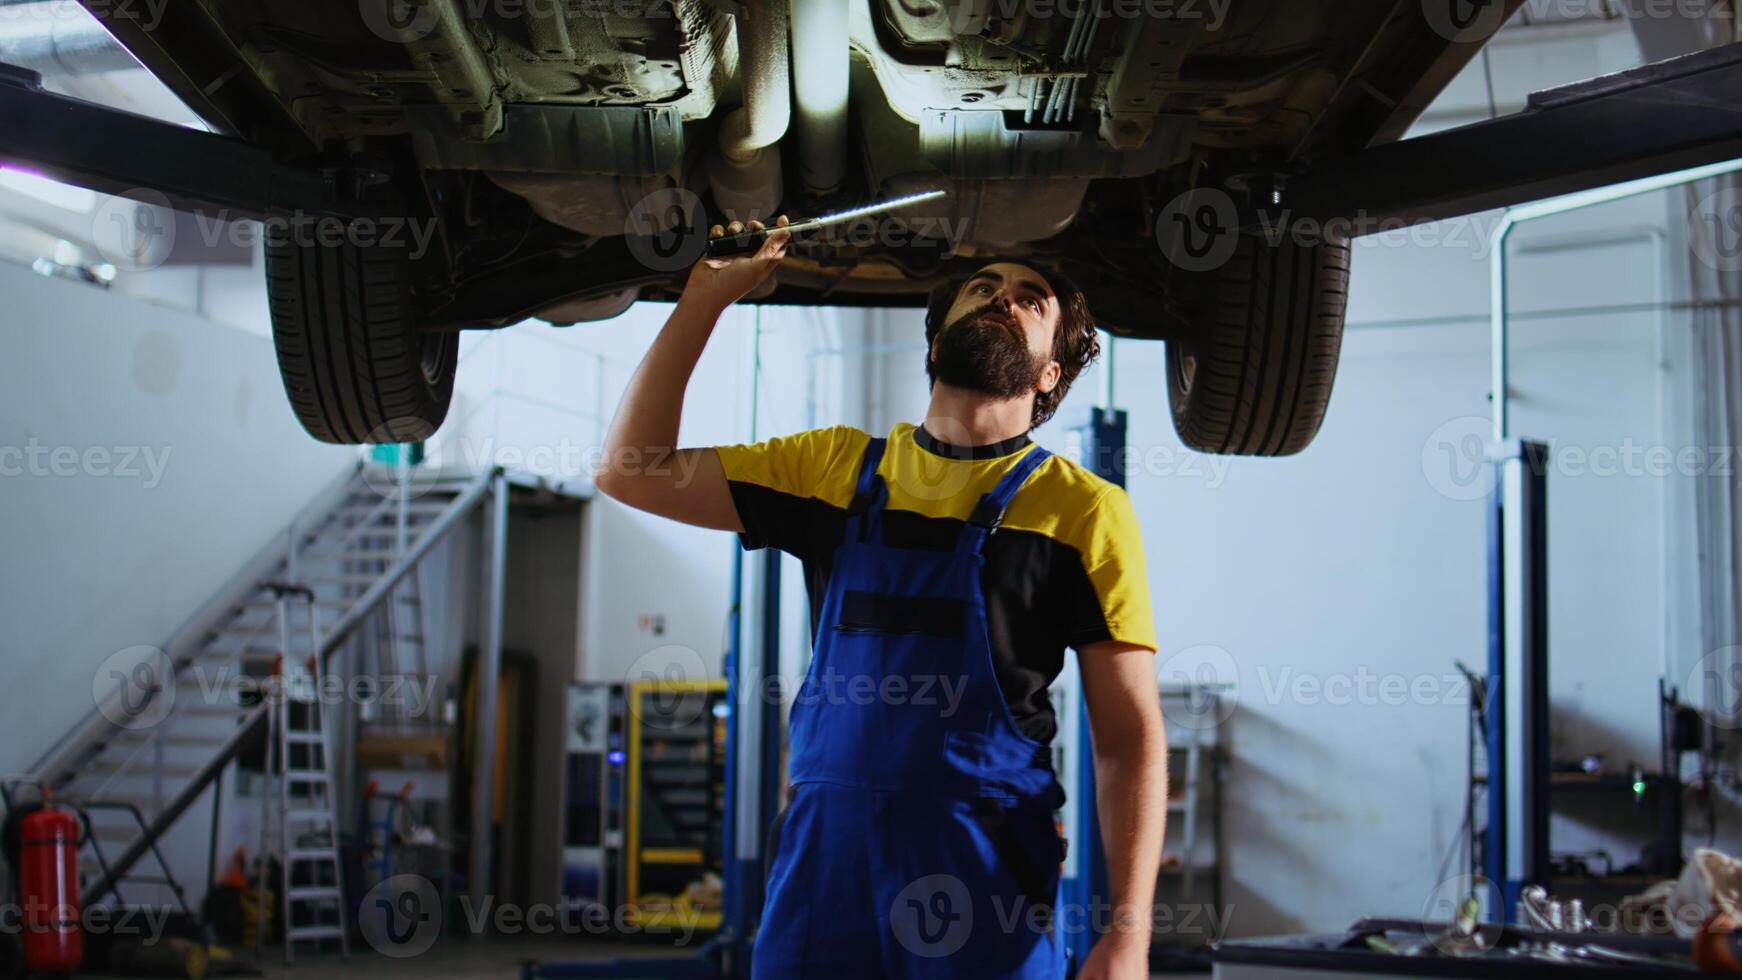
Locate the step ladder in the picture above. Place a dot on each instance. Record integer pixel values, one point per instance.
(306, 824)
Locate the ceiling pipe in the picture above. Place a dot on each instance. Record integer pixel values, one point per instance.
(58, 38)
(819, 66)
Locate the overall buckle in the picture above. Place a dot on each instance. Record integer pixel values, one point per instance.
(987, 514)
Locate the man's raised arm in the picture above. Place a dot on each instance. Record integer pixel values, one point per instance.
(641, 464)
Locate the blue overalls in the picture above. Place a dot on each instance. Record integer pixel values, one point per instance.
(919, 841)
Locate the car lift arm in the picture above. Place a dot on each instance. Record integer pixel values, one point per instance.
(117, 152)
(1657, 118)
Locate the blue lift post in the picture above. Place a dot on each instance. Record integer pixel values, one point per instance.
(769, 701)
(734, 916)
(744, 884)
(1516, 851)
(1088, 891)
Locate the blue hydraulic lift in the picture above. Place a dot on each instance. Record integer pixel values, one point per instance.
(1086, 885)
(1516, 849)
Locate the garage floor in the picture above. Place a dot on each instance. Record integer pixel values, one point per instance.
(484, 960)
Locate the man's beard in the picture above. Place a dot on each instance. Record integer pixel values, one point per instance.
(987, 357)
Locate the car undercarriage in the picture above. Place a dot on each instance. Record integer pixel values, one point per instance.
(562, 159)
(1061, 128)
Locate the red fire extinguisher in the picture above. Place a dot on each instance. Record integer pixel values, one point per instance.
(48, 884)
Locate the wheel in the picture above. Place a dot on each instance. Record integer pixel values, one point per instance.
(356, 367)
(1258, 380)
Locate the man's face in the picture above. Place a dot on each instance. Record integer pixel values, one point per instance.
(998, 334)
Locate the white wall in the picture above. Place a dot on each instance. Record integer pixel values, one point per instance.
(95, 558)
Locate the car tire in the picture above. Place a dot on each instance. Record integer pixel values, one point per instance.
(1257, 379)
(355, 365)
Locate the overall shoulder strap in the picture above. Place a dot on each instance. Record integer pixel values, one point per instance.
(989, 512)
(866, 508)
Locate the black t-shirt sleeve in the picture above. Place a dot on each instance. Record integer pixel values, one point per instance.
(789, 488)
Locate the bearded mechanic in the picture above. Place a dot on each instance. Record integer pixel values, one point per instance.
(958, 552)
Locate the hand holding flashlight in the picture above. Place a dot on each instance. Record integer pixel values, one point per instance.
(739, 240)
(740, 257)
(721, 280)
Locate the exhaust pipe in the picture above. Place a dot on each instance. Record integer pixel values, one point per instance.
(745, 172)
(819, 69)
(762, 63)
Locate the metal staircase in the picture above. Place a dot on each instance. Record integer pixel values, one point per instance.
(146, 754)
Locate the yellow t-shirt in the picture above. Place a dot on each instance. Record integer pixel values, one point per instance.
(1065, 568)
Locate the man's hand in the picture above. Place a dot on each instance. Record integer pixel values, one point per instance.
(718, 283)
(1117, 957)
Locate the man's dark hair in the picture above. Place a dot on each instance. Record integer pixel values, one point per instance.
(1075, 344)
